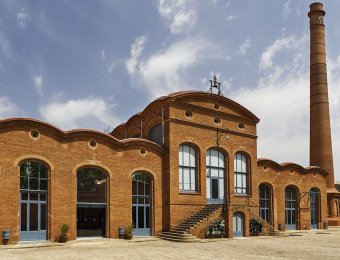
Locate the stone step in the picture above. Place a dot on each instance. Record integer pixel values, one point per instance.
(175, 234)
(174, 239)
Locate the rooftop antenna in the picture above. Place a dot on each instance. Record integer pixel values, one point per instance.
(215, 84)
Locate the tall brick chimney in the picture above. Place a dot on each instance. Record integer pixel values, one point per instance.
(320, 130)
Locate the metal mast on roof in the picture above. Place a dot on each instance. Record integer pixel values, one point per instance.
(215, 84)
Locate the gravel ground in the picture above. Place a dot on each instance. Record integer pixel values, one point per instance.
(303, 245)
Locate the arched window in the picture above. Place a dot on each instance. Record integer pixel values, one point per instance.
(33, 197)
(187, 168)
(215, 171)
(264, 202)
(241, 174)
(156, 134)
(290, 208)
(141, 204)
(91, 202)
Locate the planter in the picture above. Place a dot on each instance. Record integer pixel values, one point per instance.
(128, 237)
(6, 234)
(63, 238)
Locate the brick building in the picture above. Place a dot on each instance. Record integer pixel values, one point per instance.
(187, 163)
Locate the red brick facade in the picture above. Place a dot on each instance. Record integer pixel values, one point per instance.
(198, 120)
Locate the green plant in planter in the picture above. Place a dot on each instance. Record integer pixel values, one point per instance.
(128, 232)
(255, 227)
(64, 228)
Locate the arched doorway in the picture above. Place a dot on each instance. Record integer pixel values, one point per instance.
(314, 207)
(33, 201)
(238, 224)
(141, 203)
(215, 172)
(264, 202)
(290, 208)
(91, 202)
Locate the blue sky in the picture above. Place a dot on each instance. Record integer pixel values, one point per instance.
(93, 64)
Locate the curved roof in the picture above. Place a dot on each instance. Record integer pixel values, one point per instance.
(79, 132)
(192, 94)
(290, 165)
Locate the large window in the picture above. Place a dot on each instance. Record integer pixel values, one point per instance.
(241, 174)
(33, 196)
(91, 202)
(141, 204)
(264, 202)
(290, 207)
(215, 170)
(156, 134)
(187, 168)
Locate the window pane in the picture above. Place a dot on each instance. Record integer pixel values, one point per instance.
(214, 172)
(221, 160)
(43, 184)
(43, 216)
(147, 189)
(221, 188)
(147, 217)
(214, 158)
(33, 216)
(192, 157)
(33, 184)
(208, 187)
(134, 187)
(91, 186)
(134, 216)
(193, 180)
(24, 182)
(181, 155)
(180, 178)
(23, 216)
(140, 186)
(140, 217)
(186, 179)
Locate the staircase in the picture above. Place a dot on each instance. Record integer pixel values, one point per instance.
(182, 232)
(267, 228)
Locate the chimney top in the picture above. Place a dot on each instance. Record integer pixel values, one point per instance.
(316, 8)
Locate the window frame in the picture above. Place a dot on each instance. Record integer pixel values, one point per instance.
(242, 174)
(188, 169)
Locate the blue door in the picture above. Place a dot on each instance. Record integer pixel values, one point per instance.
(314, 209)
(33, 201)
(290, 211)
(141, 204)
(238, 223)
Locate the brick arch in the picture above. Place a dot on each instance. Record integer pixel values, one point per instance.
(224, 151)
(94, 164)
(152, 174)
(34, 157)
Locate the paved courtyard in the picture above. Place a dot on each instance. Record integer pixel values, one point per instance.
(300, 245)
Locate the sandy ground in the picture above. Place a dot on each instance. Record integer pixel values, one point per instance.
(304, 245)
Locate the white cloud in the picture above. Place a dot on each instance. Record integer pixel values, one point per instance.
(7, 108)
(103, 55)
(164, 72)
(244, 47)
(289, 43)
(281, 101)
(286, 8)
(81, 113)
(22, 18)
(180, 15)
(5, 46)
(38, 84)
(136, 50)
(232, 17)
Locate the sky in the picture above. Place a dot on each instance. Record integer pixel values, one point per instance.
(94, 64)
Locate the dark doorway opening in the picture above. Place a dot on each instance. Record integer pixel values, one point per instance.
(90, 222)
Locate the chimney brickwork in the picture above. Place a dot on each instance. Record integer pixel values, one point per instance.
(320, 130)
